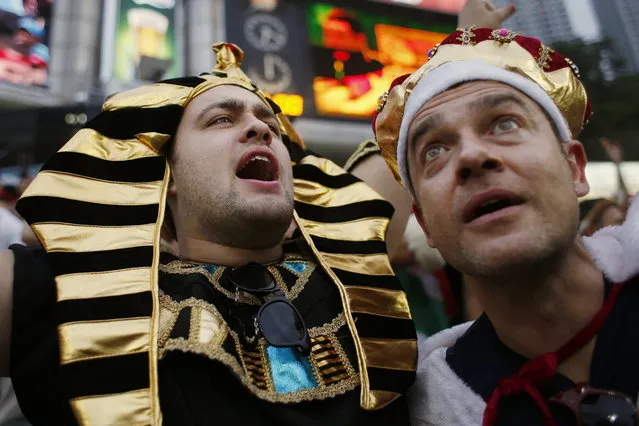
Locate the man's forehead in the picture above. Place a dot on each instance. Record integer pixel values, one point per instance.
(462, 93)
(223, 93)
(461, 102)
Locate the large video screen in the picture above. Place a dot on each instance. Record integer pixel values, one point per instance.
(446, 6)
(357, 54)
(25, 27)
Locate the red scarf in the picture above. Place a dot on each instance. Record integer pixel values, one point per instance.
(540, 370)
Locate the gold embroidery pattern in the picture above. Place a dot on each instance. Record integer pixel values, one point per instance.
(267, 366)
(194, 329)
(184, 268)
(167, 322)
(467, 36)
(544, 56)
(254, 364)
(213, 333)
(329, 361)
(298, 286)
(330, 328)
(331, 367)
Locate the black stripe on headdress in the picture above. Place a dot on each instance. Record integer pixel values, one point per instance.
(105, 308)
(313, 174)
(104, 376)
(390, 379)
(184, 81)
(295, 150)
(149, 169)
(53, 209)
(343, 246)
(101, 261)
(275, 107)
(126, 123)
(344, 213)
(380, 327)
(375, 281)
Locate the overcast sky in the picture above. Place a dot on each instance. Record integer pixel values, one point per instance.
(583, 18)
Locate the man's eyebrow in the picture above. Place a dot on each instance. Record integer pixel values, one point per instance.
(496, 100)
(485, 102)
(227, 104)
(262, 112)
(423, 127)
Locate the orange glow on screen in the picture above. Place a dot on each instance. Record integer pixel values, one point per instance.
(399, 51)
(447, 6)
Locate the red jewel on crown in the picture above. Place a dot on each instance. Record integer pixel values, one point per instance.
(502, 35)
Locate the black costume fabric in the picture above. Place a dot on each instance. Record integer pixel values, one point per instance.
(481, 360)
(197, 383)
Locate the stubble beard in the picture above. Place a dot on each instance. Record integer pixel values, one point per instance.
(256, 224)
(536, 253)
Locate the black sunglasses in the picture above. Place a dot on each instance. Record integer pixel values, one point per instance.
(278, 320)
(597, 407)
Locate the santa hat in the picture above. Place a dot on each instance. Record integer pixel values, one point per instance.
(481, 54)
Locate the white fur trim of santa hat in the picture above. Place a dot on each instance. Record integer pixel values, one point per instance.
(447, 75)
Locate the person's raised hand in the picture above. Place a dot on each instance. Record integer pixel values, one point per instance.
(613, 149)
(484, 14)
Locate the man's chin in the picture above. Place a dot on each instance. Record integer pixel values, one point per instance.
(269, 209)
(494, 256)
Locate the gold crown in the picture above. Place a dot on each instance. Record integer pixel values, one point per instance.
(526, 56)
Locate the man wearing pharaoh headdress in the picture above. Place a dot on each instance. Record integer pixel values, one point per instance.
(241, 325)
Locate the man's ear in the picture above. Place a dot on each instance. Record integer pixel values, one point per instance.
(577, 159)
(172, 189)
(420, 219)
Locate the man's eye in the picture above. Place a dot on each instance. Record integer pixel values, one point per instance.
(433, 151)
(221, 120)
(505, 125)
(275, 129)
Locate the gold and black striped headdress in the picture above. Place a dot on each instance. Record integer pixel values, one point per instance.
(97, 208)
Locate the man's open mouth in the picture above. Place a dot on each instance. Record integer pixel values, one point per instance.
(490, 203)
(258, 166)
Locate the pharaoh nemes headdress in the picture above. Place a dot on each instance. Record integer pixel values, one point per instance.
(469, 54)
(97, 208)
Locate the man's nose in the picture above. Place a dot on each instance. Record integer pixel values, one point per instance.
(258, 131)
(476, 157)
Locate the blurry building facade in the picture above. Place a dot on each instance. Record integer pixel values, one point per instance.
(544, 19)
(94, 48)
(79, 63)
(619, 22)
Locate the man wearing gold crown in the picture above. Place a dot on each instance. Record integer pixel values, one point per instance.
(483, 138)
(243, 326)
